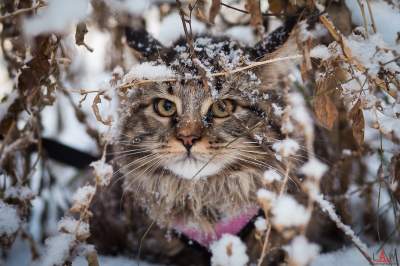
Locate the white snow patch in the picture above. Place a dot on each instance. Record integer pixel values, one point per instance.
(103, 171)
(9, 219)
(320, 51)
(263, 194)
(272, 175)
(57, 250)
(387, 18)
(301, 252)
(83, 195)
(148, 70)
(228, 250)
(314, 168)
(72, 226)
(260, 224)
(56, 17)
(288, 212)
(287, 147)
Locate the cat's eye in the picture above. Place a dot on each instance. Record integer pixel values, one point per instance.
(164, 107)
(223, 108)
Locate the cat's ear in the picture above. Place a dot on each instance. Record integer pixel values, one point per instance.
(272, 73)
(143, 43)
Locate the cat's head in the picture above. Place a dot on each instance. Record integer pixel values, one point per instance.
(192, 131)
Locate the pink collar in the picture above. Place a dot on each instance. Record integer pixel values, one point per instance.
(232, 225)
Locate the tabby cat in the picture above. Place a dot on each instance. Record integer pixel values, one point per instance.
(192, 157)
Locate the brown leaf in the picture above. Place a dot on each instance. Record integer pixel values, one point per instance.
(80, 33)
(253, 6)
(95, 107)
(325, 110)
(358, 122)
(276, 6)
(214, 10)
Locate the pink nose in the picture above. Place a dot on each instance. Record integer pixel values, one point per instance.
(188, 141)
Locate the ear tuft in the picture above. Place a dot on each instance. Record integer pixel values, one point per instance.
(142, 42)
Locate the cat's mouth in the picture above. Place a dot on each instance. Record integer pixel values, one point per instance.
(193, 166)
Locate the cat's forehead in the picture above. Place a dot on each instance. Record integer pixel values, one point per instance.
(214, 55)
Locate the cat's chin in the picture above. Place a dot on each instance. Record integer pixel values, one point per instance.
(189, 168)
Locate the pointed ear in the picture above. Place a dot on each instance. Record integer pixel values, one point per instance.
(142, 42)
(272, 73)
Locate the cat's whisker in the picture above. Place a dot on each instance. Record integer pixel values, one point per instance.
(127, 151)
(139, 160)
(255, 152)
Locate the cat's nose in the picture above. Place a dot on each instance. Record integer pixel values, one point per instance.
(188, 141)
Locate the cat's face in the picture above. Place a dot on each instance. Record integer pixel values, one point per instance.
(196, 154)
(184, 130)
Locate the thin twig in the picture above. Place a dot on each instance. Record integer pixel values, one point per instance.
(371, 16)
(327, 207)
(189, 39)
(22, 11)
(218, 74)
(246, 12)
(361, 5)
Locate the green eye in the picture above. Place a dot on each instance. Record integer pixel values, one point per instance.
(223, 108)
(164, 107)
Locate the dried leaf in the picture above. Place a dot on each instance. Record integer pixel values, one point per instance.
(276, 6)
(80, 33)
(214, 10)
(358, 122)
(253, 6)
(325, 110)
(92, 258)
(96, 101)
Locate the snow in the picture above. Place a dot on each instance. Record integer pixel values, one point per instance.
(171, 29)
(301, 252)
(82, 196)
(314, 168)
(260, 224)
(327, 207)
(387, 18)
(132, 7)
(320, 51)
(103, 171)
(300, 114)
(21, 193)
(305, 34)
(263, 194)
(228, 250)
(243, 34)
(287, 147)
(72, 226)
(57, 250)
(288, 212)
(271, 175)
(352, 256)
(148, 70)
(9, 219)
(56, 17)
(6, 98)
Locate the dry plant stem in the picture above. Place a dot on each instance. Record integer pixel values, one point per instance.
(265, 246)
(189, 39)
(22, 11)
(267, 234)
(327, 207)
(371, 16)
(218, 74)
(364, 16)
